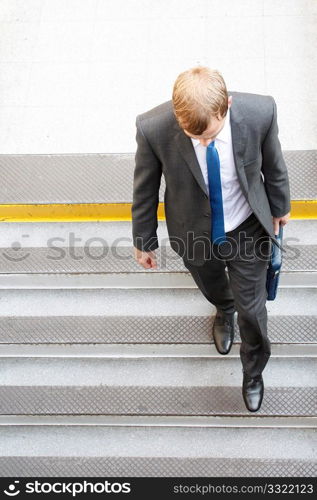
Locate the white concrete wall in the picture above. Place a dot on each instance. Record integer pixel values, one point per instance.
(75, 73)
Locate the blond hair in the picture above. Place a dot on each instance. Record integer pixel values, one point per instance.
(199, 94)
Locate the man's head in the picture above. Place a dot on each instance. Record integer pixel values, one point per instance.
(200, 103)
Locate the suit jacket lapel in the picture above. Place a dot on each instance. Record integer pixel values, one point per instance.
(186, 149)
(239, 136)
(239, 140)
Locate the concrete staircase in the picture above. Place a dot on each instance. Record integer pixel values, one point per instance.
(108, 367)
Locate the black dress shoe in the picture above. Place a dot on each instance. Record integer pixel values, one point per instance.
(223, 331)
(252, 391)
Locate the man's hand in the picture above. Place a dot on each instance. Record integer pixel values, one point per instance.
(145, 259)
(280, 220)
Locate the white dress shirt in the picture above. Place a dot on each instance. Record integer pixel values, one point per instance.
(235, 205)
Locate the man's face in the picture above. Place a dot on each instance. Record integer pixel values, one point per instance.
(212, 131)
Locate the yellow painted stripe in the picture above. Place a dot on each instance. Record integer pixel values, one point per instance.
(71, 212)
(304, 209)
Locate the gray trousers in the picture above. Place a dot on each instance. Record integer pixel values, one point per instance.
(243, 289)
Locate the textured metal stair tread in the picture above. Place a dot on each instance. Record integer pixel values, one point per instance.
(115, 466)
(151, 371)
(142, 330)
(152, 400)
(41, 177)
(144, 350)
(158, 442)
(159, 421)
(35, 260)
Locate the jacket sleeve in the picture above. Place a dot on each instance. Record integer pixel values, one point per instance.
(146, 185)
(276, 179)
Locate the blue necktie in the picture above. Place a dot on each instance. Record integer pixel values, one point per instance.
(218, 234)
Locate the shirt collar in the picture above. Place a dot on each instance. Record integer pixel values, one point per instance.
(223, 134)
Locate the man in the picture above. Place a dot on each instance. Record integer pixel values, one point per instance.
(227, 192)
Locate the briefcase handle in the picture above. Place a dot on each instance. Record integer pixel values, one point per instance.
(276, 257)
(274, 267)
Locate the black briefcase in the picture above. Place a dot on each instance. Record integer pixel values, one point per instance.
(274, 267)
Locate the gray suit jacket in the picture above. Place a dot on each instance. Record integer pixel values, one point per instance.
(163, 148)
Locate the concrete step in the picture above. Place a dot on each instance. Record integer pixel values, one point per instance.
(252, 421)
(132, 316)
(115, 233)
(100, 350)
(148, 279)
(152, 386)
(100, 255)
(302, 258)
(147, 451)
